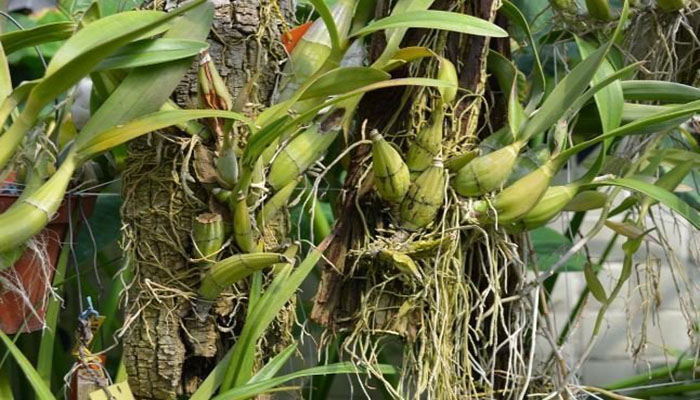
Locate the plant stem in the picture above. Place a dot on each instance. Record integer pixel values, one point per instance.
(677, 389)
(686, 364)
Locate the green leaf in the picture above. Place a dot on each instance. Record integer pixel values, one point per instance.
(327, 17)
(208, 387)
(408, 54)
(144, 90)
(506, 74)
(113, 137)
(253, 389)
(677, 113)
(151, 51)
(110, 7)
(583, 100)
(364, 11)
(103, 37)
(609, 99)
(92, 14)
(549, 246)
(17, 40)
(431, 19)
(17, 96)
(661, 195)
(635, 111)
(538, 85)
(275, 297)
(394, 37)
(74, 60)
(662, 91)
(516, 114)
(676, 156)
(594, 285)
(5, 79)
(273, 366)
(343, 80)
(42, 391)
(565, 94)
(632, 112)
(5, 384)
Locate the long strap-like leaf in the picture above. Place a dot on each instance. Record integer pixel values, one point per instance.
(144, 90)
(53, 32)
(76, 58)
(40, 388)
(253, 389)
(277, 294)
(113, 137)
(538, 90)
(433, 19)
(659, 194)
(566, 93)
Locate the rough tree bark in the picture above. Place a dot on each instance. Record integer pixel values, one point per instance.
(167, 350)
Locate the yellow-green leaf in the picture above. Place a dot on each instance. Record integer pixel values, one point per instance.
(151, 51)
(432, 19)
(594, 285)
(626, 229)
(53, 32)
(76, 58)
(343, 80)
(661, 195)
(42, 391)
(662, 91)
(610, 99)
(144, 90)
(112, 137)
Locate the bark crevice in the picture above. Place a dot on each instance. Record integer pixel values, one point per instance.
(168, 351)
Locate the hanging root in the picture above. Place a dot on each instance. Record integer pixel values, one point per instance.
(28, 289)
(452, 297)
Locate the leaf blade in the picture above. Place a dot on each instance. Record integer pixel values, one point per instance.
(17, 40)
(115, 136)
(249, 390)
(659, 194)
(565, 94)
(151, 51)
(273, 366)
(432, 19)
(610, 99)
(342, 80)
(41, 390)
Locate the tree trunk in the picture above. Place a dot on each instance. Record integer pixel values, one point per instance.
(371, 302)
(168, 351)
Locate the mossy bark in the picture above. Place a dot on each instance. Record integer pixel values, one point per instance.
(373, 304)
(168, 351)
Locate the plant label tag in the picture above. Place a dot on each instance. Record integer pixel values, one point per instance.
(118, 391)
